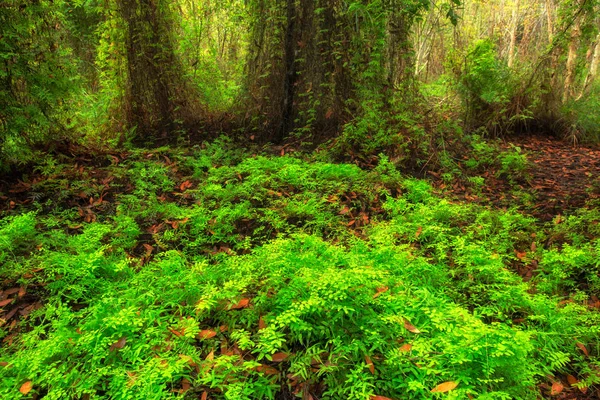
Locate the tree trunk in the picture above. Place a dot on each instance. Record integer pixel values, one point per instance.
(571, 61)
(549, 20)
(155, 93)
(593, 69)
(513, 34)
(287, 109)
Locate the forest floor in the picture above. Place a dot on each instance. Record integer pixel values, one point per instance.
(169, 270)
(562, 177)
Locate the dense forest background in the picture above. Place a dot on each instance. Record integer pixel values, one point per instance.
(299, 199)
(371, 75)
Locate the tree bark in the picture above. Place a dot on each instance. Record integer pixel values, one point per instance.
(593, 69)
(571, 61)
(156, 100)
(513, 34)
(287, 109)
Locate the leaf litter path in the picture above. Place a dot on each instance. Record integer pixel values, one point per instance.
(562, 178)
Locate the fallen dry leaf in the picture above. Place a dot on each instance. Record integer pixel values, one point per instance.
(265, 369)
(261, 323)
(243, 303)
(26, 387)
(210, 356)
(204, 395)
(374, 397)
(380, 291)
(5, 302)
(118, 344)
(185, 185)
(572, 380)
(406, 347)
(176, 332)
(206, 334)
(557, 387)
(370, 364)
(279, 357)
(185, 385)
(410, 327)
(444, 387)
(583, 348)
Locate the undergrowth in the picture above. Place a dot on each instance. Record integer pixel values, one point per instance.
(167, 274)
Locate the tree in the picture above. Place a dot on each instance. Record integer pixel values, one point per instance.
(313, 64)
(37, 75)
(158, 100)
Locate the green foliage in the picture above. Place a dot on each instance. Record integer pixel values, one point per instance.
(37, 76)
(513, 164)
(583, 122)
(492, 94)
(240, 275)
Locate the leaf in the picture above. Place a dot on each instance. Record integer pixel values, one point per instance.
(210, 356)
(185, 185)
(204, 395)
(279, 357)
(176, 332)
(185, 385)
(406, 347)
(583, 349)
(345, 210)
(243, 303)
(206, 334)
(444, 387)
(571, 379)
(26, 387)
(261, 323)
(374, 397)
(5, 302)
(370, 365)
(380, 291)
(149, 249)
(557, 387)
(410, 327)
(418, 233)
(119, 344)
(265, 369)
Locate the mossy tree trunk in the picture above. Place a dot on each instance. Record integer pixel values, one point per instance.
(157, 97)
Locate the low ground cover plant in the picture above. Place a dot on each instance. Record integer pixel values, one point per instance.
(218, 274)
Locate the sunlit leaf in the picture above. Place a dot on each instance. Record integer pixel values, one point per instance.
(410, 327)
(444, 387)
(557, 387)
(206, 334)
(26, 387)
(243, 303)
